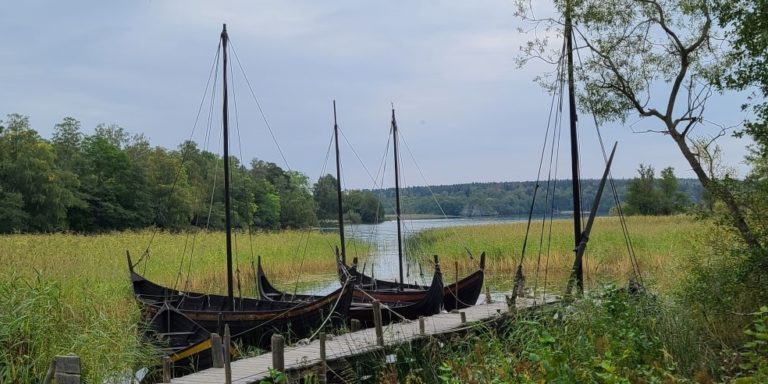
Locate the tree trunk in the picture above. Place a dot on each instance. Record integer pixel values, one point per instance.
(717, 191)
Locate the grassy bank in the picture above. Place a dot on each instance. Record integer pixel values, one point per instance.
(62, 293)
(660, 243)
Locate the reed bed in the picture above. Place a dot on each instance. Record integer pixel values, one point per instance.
(62, 293)
(661, 244)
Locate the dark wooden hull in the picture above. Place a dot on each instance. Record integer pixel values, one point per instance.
(458, 295)
(396, 305)
(253, 321)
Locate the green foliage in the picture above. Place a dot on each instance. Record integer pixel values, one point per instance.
(509, 198)
(112, 180)
(37, 322)
(755, 351)
(275, 377)
(746, 26)
(648, 196)
(611, 338)
(326, 197)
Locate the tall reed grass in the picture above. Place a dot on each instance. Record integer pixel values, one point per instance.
(62, 293)
(661, 244)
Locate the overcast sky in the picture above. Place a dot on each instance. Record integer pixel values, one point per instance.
(466, 112)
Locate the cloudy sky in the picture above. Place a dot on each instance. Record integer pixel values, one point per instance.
(465, 111)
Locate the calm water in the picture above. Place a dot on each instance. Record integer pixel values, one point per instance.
(380, 256)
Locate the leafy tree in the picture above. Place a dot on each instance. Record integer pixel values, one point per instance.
(363, 207)
(297, 208)
(746, 27)
(326, 198)
(672, 200)
(650, 57)
(28, 168)
(642, 197)
(172, 196)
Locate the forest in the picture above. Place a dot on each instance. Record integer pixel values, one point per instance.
(111, 180)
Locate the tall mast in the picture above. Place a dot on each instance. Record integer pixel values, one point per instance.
(338, 187)
(397, 200)
(577, 273)
(227, 213)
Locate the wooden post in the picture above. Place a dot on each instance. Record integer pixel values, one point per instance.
(227, 356)
(355, 325)
(456, 294)
(488, 295)
(463, 317)
(167, 369)
(377, 323)
(422, 329)
(278, 352)
(217, 353)
(322, 378)
(67, 369)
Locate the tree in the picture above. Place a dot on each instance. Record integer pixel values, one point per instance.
(297, 208)
(672, 200)
(642, 197)
(28, 169)
(746, 26)
(651, 58)
(326, 198)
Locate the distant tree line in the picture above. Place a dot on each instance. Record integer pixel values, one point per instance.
(514, 198)
(111, 180)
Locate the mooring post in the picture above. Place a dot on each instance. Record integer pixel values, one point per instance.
(321, 377)
(355, 325)
(463, 317)
(422, 329)
(278, 353)
(456, 294)
(488, 295)
(67, 369)
(167, 369)
(227, 355)
(377, 323)
(217, 353)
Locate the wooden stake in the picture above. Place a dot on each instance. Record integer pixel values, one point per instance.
(322, 378)
(456, 294)
(488, 295)
(463, 317)
(227, 356)
(355, 325)
(167, 369)
(377, 323)
(421, 325)
(217, 353)
(278, 352)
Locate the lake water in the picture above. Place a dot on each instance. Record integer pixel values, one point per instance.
(379, 257)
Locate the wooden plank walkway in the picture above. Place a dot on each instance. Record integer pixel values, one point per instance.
(253, 369)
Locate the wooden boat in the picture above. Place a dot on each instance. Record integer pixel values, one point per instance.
(252, 321)
(407, 302)
(461, 294)
(457, 295)
(396, 304)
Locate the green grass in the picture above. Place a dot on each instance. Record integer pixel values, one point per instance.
(62, 293)
(660, 243)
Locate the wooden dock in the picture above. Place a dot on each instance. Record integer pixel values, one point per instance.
(254, 369)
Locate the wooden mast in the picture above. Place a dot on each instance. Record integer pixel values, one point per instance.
(338, 187)
(397, 200)
(577, 273)
(227, 213)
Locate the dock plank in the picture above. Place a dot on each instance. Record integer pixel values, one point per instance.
(253, 369)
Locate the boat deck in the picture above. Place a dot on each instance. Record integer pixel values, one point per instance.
(254, 369)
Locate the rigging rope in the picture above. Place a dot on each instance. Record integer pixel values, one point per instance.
(258, 106)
